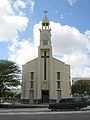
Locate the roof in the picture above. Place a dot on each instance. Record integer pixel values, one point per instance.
(45, 20)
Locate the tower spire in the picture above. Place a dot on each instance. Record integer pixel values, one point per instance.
(45, 22)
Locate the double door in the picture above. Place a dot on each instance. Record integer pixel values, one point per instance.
(45, 96)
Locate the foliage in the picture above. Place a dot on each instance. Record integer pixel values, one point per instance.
(9, 75)
(80, 88)
(18, 95)
(8, 94)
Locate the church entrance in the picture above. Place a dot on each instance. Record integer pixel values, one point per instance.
(45, 96)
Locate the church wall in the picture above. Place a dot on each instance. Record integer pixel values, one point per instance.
(67, 83)
(52, 83)
(26, 70)
(57, 67)
(32, 64)
(64, 78)
(66, 90)
(25, 86)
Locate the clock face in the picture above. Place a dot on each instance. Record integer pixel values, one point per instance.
(45, 37)
(45, 40)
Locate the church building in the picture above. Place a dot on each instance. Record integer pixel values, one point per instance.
(45, 79)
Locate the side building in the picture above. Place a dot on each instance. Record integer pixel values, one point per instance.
(45, 79)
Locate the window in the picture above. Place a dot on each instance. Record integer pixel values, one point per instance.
(32, 75)
(62, 100)
(58, 75)
(31, 84)
(69, 100)
(58, 84)
(58, 95)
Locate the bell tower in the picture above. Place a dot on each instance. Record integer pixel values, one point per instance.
(44, 60)
(45, 32)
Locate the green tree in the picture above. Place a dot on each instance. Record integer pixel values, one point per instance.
(79, 87)
(9, 75)
(18, 95)
(88, 90)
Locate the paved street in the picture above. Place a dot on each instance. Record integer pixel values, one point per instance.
(43, 114)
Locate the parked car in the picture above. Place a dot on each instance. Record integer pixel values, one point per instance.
(88, 99)
(69, 103)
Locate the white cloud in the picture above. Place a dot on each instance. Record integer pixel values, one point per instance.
(5, 8)
(71, 2)
(19, 4)
(31, 4)
(36, 34)
(22, 51)
(79, 62)
(13, 21)
(10, 24)
(67, 39)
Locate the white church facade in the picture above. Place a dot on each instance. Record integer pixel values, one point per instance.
(45, 79)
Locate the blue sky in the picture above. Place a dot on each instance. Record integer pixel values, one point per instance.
(20, 21)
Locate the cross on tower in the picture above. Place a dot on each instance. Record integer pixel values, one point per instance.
(45, 56)
(45, 12)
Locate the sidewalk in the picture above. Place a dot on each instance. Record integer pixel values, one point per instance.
(4, 110)
(14, 105)
(87, 108)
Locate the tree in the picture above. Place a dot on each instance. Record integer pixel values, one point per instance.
(18, 95)
(80, 88)
(9, 75)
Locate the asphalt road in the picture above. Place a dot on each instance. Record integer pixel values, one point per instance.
(43, 114)
(63, 116)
